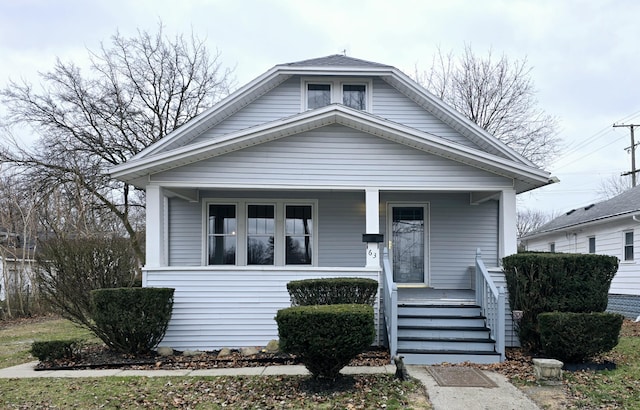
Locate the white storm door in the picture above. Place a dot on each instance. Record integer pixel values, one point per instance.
(408, 228)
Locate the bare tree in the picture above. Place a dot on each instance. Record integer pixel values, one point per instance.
(528, 220)
(137, 90)
(613, 186)
(499, 96)
(19, 204)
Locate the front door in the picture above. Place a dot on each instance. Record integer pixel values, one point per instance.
(409, 243)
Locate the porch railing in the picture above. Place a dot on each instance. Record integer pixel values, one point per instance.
(491, 299)
(390, 302)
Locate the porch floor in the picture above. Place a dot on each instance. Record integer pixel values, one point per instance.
(430, 296)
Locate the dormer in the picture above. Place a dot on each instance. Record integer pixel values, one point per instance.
(354, 92)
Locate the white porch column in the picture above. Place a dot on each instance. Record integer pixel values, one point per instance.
(508, 236)
(372, 201)
(156, 219)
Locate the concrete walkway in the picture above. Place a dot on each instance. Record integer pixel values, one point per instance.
(504, 397)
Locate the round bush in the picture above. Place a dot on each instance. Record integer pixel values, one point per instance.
(575, 337)
(132, 320)
(326, 337)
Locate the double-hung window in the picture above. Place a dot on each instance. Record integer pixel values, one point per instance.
(628, 246)
(592, 244)
(321, 92)
(252, 233)
(552, 247)
(221, 234)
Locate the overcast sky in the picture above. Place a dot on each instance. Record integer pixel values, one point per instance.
(584, 54)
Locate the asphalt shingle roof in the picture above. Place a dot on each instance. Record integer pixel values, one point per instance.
(336, 60)
(627, 202)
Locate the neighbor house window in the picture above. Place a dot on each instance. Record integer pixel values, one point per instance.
(552, 247)
(320, 92)
(628, 246)
(592, 244)
(250, 233)
(221, 234)
(298, 234)
(260, 234)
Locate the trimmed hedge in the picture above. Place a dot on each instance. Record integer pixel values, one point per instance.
(50, 350)
(326, 337)
(132, 320)
(556, 282)
(574, 337)
(332, 291)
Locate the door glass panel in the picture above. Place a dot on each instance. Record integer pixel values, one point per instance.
(408, 244)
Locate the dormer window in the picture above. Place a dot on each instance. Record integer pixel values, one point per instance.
(318, 95)
(354, 93)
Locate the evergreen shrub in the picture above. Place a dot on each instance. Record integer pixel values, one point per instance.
(326, 337)
(132, 320)
(50, 350)
(556, 282)
(332, 291)
(575, 337)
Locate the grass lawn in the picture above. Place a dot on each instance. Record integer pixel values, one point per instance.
(16, 337)
(264, 392)
(615, 389)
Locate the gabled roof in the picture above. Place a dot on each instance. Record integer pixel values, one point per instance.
(525, 176)
(623, 205)
(177, 149)
(337, 65)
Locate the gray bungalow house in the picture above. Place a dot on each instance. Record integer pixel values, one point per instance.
(333, 167)
(610, 227)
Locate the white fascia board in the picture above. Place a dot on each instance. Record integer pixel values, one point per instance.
(458, 118)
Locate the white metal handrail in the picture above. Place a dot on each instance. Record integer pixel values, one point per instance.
(390, 300)
(491, 299)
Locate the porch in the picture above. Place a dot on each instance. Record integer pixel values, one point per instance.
(429, 326)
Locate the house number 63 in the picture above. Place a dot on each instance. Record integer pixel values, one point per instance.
(373, 254)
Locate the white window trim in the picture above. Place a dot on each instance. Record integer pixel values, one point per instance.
(242, 205)
(624, 247)
(336, 84)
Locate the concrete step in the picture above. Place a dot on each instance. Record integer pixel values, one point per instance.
(441, 321)
(438, 310)
(446, 332)
(454, 345)
(428, 357)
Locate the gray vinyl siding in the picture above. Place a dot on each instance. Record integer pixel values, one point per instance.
(185, 233)
(334, 156)
(285, 100)
(511, 336)
(281, 102)
(389, 103)
(456, 230)
(216, 308)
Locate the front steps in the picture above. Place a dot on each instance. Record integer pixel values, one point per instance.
(432, 334)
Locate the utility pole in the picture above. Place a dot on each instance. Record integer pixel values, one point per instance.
(633, 152)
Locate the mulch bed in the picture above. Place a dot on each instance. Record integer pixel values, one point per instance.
(100, 357)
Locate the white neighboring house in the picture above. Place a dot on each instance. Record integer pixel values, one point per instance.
(313, 170)
(610, 227)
